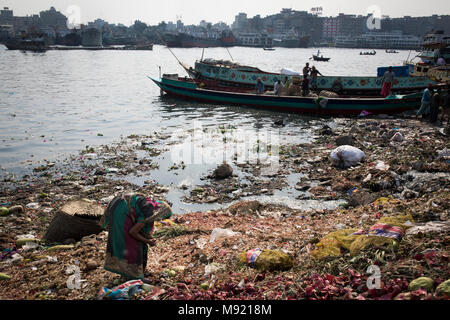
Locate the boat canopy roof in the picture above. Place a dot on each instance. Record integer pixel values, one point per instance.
(229, 64)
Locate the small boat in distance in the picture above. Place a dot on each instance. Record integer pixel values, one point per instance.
(269, 49)
(319, 58)
(391, 51)
(189, 90)
(368, 53)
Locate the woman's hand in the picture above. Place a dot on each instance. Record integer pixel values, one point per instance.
(151, 242)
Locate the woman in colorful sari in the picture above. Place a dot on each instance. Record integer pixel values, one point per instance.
(129, 221)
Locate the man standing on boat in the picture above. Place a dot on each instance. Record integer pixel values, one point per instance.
(306, 71)
(259, 86)
(388, 80)
(314, 74)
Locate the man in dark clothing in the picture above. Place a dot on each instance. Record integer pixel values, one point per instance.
(434, 110)
(305, 86)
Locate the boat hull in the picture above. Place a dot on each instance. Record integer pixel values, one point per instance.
(303, 105)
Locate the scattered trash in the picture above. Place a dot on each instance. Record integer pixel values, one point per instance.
(219, 233)
(213, 268)
(421, 283)
(267, 260)
(398, 137)
(347, 156)
(429, 227)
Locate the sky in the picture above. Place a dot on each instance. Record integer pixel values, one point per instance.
(193, 11)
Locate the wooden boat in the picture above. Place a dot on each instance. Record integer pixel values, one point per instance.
(190, 90)
(34, 45)
(391, 51)
(235, 75)
(269, 49)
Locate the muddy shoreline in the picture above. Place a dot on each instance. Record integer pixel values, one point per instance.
(289, 210)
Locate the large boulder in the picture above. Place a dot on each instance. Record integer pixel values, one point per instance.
(75, 220)
(245, 207)
(344, 141)
(223, 171)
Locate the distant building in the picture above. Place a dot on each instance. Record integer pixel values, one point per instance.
(53, 18)
(91, 37)
(254, 40)
(379, 40)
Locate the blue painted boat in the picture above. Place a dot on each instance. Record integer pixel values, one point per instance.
(188, 89)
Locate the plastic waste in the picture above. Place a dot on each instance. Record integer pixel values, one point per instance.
(347, 156)
(398, 137)
(33, 205)
(4, 276)
(443, 289)
(213, 268)
(218, 233)
(388, 231)
(122, 292)
(422, 282)
(430, 227)
(267, 260)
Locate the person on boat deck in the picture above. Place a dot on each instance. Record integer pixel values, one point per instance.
(128, 220)
(305, 86)
(440, 61)
(388, 80)
(259, 86)
(426, 101)
(314, 74)
(278, 86)
(306, 70)
(286, 83)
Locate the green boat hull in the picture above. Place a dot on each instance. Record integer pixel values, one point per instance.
(305, 105)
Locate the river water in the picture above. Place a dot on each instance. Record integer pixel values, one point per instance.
(54, 104)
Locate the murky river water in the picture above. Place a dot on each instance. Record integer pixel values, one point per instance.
(54, 104)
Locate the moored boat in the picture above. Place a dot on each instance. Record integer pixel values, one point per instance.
(190, 90)
(35, 45)
(236, 75)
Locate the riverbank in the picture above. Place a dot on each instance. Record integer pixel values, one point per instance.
(399, 177)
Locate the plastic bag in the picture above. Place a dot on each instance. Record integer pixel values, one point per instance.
(218, 233)
(267, 260)
(213, 268)
(122, 292)
(347, 156)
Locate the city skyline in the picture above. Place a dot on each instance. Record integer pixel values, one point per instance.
(195, 11)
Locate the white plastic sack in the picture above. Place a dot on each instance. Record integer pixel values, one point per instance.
(218, 233)
(213, 268)
(430, 227)
(398, 137)
(347, 156)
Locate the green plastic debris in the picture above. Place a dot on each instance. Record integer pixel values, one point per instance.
(443, 289)
(4, 211)
(4, 276)
(422, 282)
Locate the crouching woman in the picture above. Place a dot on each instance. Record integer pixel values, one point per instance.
(129, 221)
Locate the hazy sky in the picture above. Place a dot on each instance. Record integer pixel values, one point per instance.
(193, 11)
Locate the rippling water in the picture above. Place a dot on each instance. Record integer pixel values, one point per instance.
(54, 104)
